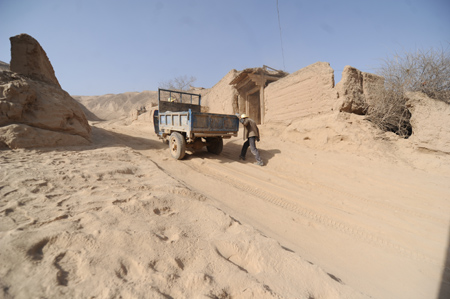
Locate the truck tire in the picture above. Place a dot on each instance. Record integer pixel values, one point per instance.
(177, 145)
(215, 145)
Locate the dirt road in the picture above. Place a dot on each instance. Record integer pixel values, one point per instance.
(375, 223)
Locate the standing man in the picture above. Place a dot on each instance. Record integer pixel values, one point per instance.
(251, 135)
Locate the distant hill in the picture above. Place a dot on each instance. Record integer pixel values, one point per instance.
(116, 106)
(4, 66)
(89, 115)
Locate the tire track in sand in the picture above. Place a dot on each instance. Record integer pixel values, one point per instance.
(225, 174)
(230, 176)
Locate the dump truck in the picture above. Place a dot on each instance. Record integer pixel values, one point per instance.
(180, 122)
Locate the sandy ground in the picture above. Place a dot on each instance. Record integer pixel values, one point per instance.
(122, 219)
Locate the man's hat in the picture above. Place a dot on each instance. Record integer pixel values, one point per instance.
(244, 115)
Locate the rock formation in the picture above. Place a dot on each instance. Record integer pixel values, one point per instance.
(29, 59)
(34, 110)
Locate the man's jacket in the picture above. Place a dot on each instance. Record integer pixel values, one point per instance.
(250, 129)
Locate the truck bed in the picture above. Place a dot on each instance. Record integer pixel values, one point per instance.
(198, 124)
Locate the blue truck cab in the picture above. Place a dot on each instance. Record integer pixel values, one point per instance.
(179, 121)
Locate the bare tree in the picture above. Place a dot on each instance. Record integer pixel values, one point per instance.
(178, 83)
(425, 71)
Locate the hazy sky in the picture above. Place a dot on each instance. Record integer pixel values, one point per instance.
(98, 46)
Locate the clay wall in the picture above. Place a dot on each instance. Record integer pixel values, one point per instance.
(222, 97)
(309, 91)
(428, 117)
(357, 90)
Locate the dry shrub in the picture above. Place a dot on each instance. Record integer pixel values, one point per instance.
(421, 71)
(180, 83)
(390, 114)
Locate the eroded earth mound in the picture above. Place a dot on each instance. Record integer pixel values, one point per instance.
(34, 110)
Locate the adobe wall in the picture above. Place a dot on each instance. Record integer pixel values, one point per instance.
(357, 90)
(428, 121)
(222, 97)
(307, 92)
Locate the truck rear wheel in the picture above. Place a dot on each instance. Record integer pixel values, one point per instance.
(177, 145)
(214, 145)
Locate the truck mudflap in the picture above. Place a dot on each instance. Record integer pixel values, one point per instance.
(156, 121)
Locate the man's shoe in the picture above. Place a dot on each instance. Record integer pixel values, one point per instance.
(242, 158)
(259, 163)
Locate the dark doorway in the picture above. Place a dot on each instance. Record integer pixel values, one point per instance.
(254, 107)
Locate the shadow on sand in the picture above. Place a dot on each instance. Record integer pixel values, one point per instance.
(231, 152)
(444, 292)
(102, 138)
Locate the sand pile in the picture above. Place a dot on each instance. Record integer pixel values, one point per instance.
(109, 222)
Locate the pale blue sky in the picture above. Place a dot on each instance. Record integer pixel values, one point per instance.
(98, 46)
